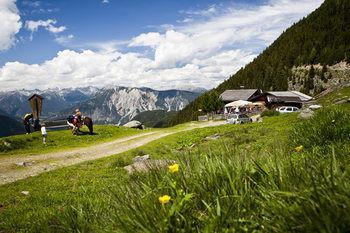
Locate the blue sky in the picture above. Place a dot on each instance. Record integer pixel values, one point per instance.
(161, 44)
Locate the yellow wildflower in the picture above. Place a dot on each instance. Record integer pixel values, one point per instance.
(174, 168)
(299, 148)
(164, 199)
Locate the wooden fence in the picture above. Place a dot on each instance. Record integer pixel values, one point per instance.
(56, 125)
(213, 117)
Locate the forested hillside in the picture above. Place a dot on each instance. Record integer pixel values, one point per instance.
(155, 118)
(322, 37)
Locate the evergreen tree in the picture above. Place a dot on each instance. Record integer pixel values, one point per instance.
(323, 72)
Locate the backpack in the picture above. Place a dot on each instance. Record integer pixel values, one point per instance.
(70, 118)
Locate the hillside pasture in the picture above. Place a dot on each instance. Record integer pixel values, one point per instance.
(244, 177)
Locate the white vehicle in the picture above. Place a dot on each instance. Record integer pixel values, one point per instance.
(288, 109)
(238, 119)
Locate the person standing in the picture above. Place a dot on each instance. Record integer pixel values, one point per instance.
(43, 132)
(26, 120)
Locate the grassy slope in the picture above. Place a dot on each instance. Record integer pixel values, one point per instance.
(61, 140)
(54, 191)
(249, 179)
(336, 96)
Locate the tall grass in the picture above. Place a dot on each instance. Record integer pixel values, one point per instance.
(270, 113)
(215, 192)
(329, 128)
(227, 189)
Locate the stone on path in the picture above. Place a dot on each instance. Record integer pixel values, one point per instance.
(24, 164)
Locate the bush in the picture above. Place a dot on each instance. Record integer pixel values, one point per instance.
(329, 126)
(270, 113)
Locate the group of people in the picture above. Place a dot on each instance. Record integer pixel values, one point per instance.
(75, 122)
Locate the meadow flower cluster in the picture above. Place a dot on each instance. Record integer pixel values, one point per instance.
(166, 198)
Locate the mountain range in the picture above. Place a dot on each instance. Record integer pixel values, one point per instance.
(15, 103)
(115, 105)
(119, 105)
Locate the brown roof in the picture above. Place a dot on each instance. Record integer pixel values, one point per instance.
(36, 95)
(280, 96)
(240, 94)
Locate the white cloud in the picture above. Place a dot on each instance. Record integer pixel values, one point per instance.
(201, 53)
(65, 39)
(105, 1)
(49, 25)
(10, 23)
(151, 39)
(105, 46)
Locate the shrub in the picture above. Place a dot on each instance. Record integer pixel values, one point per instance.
(270, 113)
(329, 126)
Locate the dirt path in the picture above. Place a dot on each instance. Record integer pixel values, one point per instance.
(10, 171)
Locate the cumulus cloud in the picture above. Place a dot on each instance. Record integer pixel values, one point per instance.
(200, 53)
(75, 69)
(250, 29)
(10, 23)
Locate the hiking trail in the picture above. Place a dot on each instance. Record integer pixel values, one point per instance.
(40, 163)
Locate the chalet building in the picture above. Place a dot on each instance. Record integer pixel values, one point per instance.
(275, 99)
(229, 96)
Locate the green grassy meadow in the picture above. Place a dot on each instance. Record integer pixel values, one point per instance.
(336, 96)
(61, 140)
(251, 179)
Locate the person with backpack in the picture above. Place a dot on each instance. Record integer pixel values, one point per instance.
(75, 121)
(26, 122)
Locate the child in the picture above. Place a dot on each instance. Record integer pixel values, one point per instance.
(43, 132)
